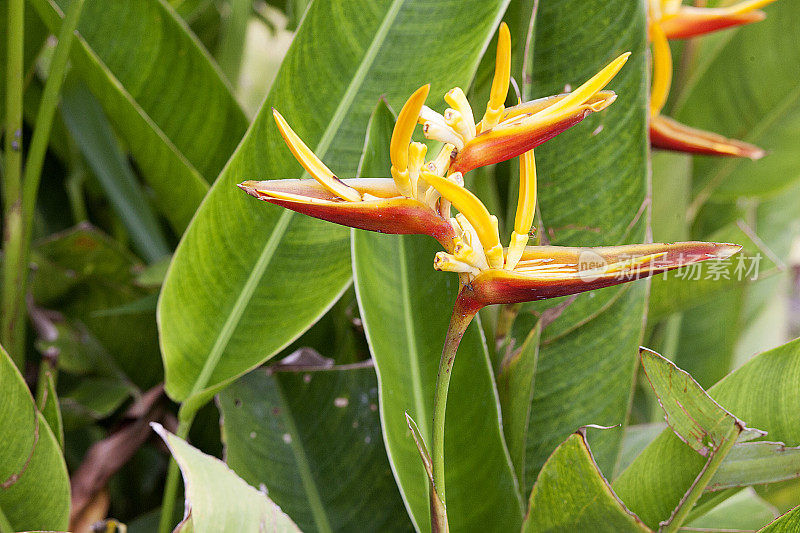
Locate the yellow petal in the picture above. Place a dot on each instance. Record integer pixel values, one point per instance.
(595, 84)
(404, 128)
(475, 212)
(502, 75)
(662, 69)
(312, 163)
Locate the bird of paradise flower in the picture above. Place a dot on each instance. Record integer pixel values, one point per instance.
(420, 195)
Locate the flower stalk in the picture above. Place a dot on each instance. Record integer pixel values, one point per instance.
(464, 311)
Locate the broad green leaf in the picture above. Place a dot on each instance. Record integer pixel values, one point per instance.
(405, 308)
(34, 486)
(245, 266)
(314, 441)
(753, 463)
(97, 397)
(515, 384)
(593, 183)
(636, 439)
(217, 500)
(47, 404)
(692, 414)
(233, 31)
(788, 523)
(697, 420)
(742, 512)
(571, 494)
(745, 86)
(763, 392)
(104, 272)
(165, 97)
(89, 127)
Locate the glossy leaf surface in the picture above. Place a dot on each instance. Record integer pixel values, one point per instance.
(593, 181)
(762, 392)
(313, 439)
(246, 267)
(34, 487)
(571, 494)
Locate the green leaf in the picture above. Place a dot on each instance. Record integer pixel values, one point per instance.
(47, 404)
(571, 494)
(245, 266)
(405, 308)
(515, 383)
(753, 463)
(217, 500)
(636, 439)
(743, 511)
(692, 414)
(34, 486)
(763, 392)
(313, 439)
(787, 523)
(104, 273)
(745, 86)
(89, 127)
(593, 184)
(167, 99)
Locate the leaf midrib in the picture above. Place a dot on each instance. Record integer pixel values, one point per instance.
(226, 332)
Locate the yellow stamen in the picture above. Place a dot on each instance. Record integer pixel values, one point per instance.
(401, 137)
(447, 263)
(467, 254)
(526, 209)
(458, 101)
(312, 163)
(502, 75)
(468, 247)
(475, 212)
(443, 133)
(595, 84)
(416, 159)
(662, 69)
(456, 120)
(444, 204)
(442, 161)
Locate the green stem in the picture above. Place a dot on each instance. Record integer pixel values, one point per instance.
(185, 419)
(696, 490)
(463, 312)
(12, 325)
(19, 212)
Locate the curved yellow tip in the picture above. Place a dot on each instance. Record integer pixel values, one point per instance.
(745, 7)
(595, 84)
(404, 128)
(502, 76)
(662, 69)
(472, 208)
(313, 165)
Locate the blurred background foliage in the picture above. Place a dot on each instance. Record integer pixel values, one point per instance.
(132, 154)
